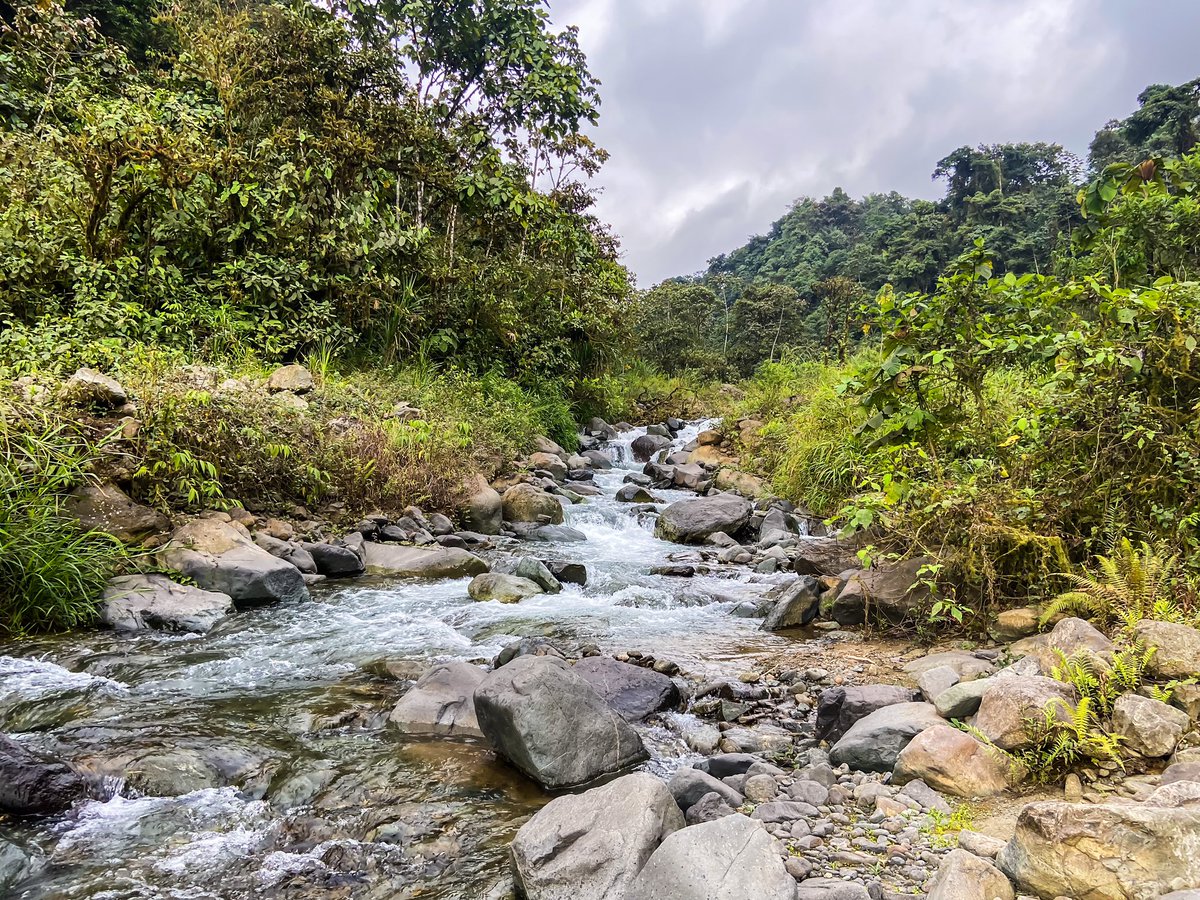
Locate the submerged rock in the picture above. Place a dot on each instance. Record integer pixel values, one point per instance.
(590, 846)
(441, 702)
(552, 725)
(30, 783)
(140, 602)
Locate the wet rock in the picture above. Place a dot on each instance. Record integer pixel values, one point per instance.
(441, 702)
(529, 646)
(889, 592)
(105, 507)
(552, 725)
(539, 573)
(730, 858)
(963, 876)
(693, 521)
(590, 846)
(529, 503)
(1102, 851)
(873, 743)
(688, 785)
(140, 602)
(421, 562)
(87, 387)
(482, 510)
(220, 558)
(798, 605)
(838, 708)
(293, 378)
(16, 865)
(1148, 726)
(32, 784)
(1009, 703)
(597, 459)
(1177, 648)
(645, 446)
(633, 493)
(953, 762)
(568, 572)
(632, 691)
(548, 533)
(502, 588)
(333, 561)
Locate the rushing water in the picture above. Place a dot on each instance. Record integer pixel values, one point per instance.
(256, 761)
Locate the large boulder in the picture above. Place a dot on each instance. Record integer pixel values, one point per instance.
(890, 592)
(729, 858)
(549, 462)
(689, 785)
(1070, 637)
(441, 702)
(739, 482)
(798, 605)
(552, 725)
(105, 507)
(838, 708)
(1117, 851)
(953, 762)
(294, 378)
(543, 444)
(1010, 703)
(964, 876)
(334, 560)
(873, 743)
(693, 521)
(220, 558)
(647, 445)
(590, 846)
(824, 555)
(1177, 648)
(87, 387)
(962, 699)
(31, 784)
(1149, 727)
(421, 562)
(502, 588)
(482, 509)
(632, 691)
(529, 503)
(140, 602)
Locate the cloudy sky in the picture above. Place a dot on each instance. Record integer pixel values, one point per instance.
(719, 113)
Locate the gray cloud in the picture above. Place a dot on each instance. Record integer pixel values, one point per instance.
(719, 113)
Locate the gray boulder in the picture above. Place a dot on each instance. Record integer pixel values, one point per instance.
(293, 378)
(1177, 648)
(441, 702)
(647, 445)
(334, 561)
(140, 602)
(87, 387)
(568, 572)
(633, 493)
(502, 588)
(692, 521)
(798, 605)
(689, 785)
(105, 507)
(730, 858)
(482, 508)
(873, 743)
(831, 889)
(838, 708)
(537, 571)
(31, 784)
(962, 699)
(552, 725)
(1148, 726)
(824, 555)
(591, 846)
(889, 592)
(632, 691)
(1009, 703)
(964, 876)
(420, 562)
(220, 558)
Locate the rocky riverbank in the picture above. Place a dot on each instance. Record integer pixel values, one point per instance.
(798, 762)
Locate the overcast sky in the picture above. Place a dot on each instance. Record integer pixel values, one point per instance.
(719, 113)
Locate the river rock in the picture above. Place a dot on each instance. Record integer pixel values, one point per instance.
(549, 462)
(482, 510)
(105, 507)
(568, 572)
(838, 708)
(288, 551)
(889, 592)
(334, 561)
(1009, 703)
(590, 846)
(1148, 726)
(1103, 851)
(539, 573)
(1069, 637)
(1177, 648)
(830, 889)
(964, 876)
(873, 743)
(597, 459)
(730, 858)
(529, 503)
(441, 702)
(31, 784)
(633, 493)
(502, 588)
(936, 681)
(824, 555)
(632, 691)
(553, 725)
(968, 665)
(953, 762)
(421, 562)
(708, 808)
(688, 785)
(140, 602)
(645, 446)
(87, 387)
(798, 605)
(220, 558)
(962, 699)
(1014, 624)
(543, 444)
(692, 521)
(293, 378)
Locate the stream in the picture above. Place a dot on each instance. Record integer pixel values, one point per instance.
(257, 761)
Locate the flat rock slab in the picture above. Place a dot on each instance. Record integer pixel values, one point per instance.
(141, 602)
(421, 562)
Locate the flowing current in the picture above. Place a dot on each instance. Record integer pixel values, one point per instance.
(256, 760)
